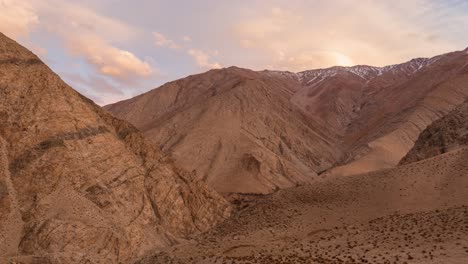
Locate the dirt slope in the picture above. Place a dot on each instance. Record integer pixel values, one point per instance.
(77, 185)
(410, 214)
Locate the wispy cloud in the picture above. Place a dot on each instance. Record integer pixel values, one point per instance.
(139, 50)
(162, 41)
(17, 17)
(85, 34)
(203, 59)
(108, 60)
(344, 32)
(89, 35)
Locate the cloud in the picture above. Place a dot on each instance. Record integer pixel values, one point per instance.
(90, 35)
(71, 18)
(312, 60)
(108, 60)
(17, 18)
(163, 41)
(99, 84)
(203, 59)
(106, 41)
(98, 88)
(339, 32)
(87, 34)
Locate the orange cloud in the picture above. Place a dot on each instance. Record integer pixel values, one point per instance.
(342, 32)
(203, 59)
(107, 59)
(17, 18)
(162, 41)
(90, 35)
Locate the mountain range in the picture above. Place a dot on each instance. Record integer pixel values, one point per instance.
(256, 132)
(354, 164)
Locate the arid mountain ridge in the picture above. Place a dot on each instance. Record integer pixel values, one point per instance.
(273, 129)
(413, 213)
(78, 185)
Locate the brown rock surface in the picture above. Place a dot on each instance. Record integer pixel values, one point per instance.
(77, 185)
(444, 135)
(236, 128)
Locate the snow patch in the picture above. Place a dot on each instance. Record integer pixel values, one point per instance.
(313, 77)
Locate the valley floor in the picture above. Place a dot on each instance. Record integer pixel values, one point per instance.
(428, 237)
(416, 213)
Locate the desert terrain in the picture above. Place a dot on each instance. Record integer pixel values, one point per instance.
(256, 132)
(354, 164)
(416, 213)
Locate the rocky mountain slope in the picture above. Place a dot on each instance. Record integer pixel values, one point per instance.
(444, 135)
(235, 128)
(413, 213)
(381, 111)
(409, 214)
(254, 132)
(76, 184)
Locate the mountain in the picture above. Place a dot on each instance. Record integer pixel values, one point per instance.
(380, 111)
(78, 185)
(256, 132)
(235, 128)
(444, 135)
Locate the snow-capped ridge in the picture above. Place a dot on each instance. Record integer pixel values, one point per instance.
(366, 72)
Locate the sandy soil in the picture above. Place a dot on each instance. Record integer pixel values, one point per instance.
(416, 213)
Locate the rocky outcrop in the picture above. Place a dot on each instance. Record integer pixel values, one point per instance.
(444, 135)
(78, 185)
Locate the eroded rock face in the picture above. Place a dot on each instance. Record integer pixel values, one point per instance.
(444, 135)
(380, 111)
(236, 128)
(77, 184)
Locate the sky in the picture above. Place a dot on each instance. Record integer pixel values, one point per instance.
(110, 50)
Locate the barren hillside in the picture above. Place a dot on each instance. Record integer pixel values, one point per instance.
(236, 129)
(77, 185)
(409, 214)
(255, 132)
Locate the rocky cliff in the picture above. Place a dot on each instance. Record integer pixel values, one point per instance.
(444, 135)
